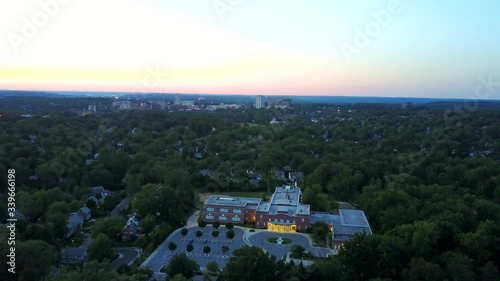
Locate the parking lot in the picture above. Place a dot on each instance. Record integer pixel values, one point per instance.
(163, 254)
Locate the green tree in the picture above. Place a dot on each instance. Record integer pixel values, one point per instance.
(59, 224)
(215, 233)
(189, 247)
(229, 225)
(225, 249)
(33, 258)
(216, 224)
(111, 226)
(202, 223)
(181, 264)
(249, 264)
(319, 232)
(206, 249)
(148, 223)
(199, 233)
(184, 231)
(172, 246)
(213, 267)
(179, 277)
(230, 234)
(100, 248)
(297, 251)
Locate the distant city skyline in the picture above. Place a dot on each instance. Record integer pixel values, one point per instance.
(387, 48)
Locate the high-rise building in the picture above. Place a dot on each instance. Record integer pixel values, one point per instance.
(259, 102)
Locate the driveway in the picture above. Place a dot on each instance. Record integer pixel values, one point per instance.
(127, 256)
(161, 256)
(258, 239)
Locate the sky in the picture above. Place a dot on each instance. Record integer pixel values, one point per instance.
(405, 48)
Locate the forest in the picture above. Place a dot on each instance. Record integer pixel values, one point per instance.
(428, 179)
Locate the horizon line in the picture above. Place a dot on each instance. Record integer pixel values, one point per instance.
(59, 92)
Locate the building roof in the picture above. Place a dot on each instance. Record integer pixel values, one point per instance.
(285, 200)
(346, 223)
(86, 210)
(74, 251)
(264, 207)
(286, 195)
(97, 190)
(231, 201)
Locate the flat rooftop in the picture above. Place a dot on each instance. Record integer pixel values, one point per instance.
(286, 195)
(231, 201)
(347, 222)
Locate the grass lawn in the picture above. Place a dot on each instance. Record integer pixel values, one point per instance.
(274, 240)
(76, 240)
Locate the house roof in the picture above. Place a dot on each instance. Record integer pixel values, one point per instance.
(85, 210)
(131, 225)
(74, 251)
(97, 189)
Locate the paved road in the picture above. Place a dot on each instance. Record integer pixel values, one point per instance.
(86, 243)
(127, 256)
(162, 255)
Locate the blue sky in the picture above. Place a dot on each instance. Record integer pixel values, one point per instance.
(414, 49)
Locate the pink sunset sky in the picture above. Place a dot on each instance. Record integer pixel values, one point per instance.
(345, 48)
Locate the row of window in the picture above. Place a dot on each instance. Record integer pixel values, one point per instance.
(224, 210)
(223, 218)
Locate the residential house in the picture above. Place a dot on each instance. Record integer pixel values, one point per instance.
(279, 174)
(295, 176)
(96, 201)
(74, 221)
(131, 228)
(85, 213)
(72, 256)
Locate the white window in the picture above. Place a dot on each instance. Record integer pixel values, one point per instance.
(209, 217)
(287, 221)
(237, 211)
(236, 218)
(302, 219)
(222, 218)
(224, 210)
(210, 209)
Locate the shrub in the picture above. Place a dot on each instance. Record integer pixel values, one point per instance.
(229, 225)
(184, 232)
(199, 233)
(206, 249)
(172, 246)
(189, 247)
(230, 234)
(216, 224)
(202, 223)
(215, 233)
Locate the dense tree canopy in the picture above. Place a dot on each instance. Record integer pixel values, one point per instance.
(427, 176)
